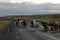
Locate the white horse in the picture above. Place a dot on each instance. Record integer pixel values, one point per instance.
(21, 23)
(36, 24)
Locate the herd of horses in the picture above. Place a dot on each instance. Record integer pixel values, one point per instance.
(52, 26)
(47, 25)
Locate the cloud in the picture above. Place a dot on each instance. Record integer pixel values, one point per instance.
(31, 1)
(28, 8)
(4, 0)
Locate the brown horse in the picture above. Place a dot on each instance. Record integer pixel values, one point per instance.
(55, 26)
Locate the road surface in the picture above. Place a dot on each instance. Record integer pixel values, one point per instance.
(32, 34)
(27, 33)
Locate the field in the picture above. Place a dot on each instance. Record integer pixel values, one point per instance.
(6, 20)
(4, 24)
(50, 17)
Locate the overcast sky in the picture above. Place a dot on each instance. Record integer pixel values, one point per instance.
(33, 1)
(29, 9)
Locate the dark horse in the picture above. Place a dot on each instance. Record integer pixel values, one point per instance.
(17, 22)
(44, 24)
(24, 23)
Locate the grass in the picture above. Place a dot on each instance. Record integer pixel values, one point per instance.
(4, 24)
